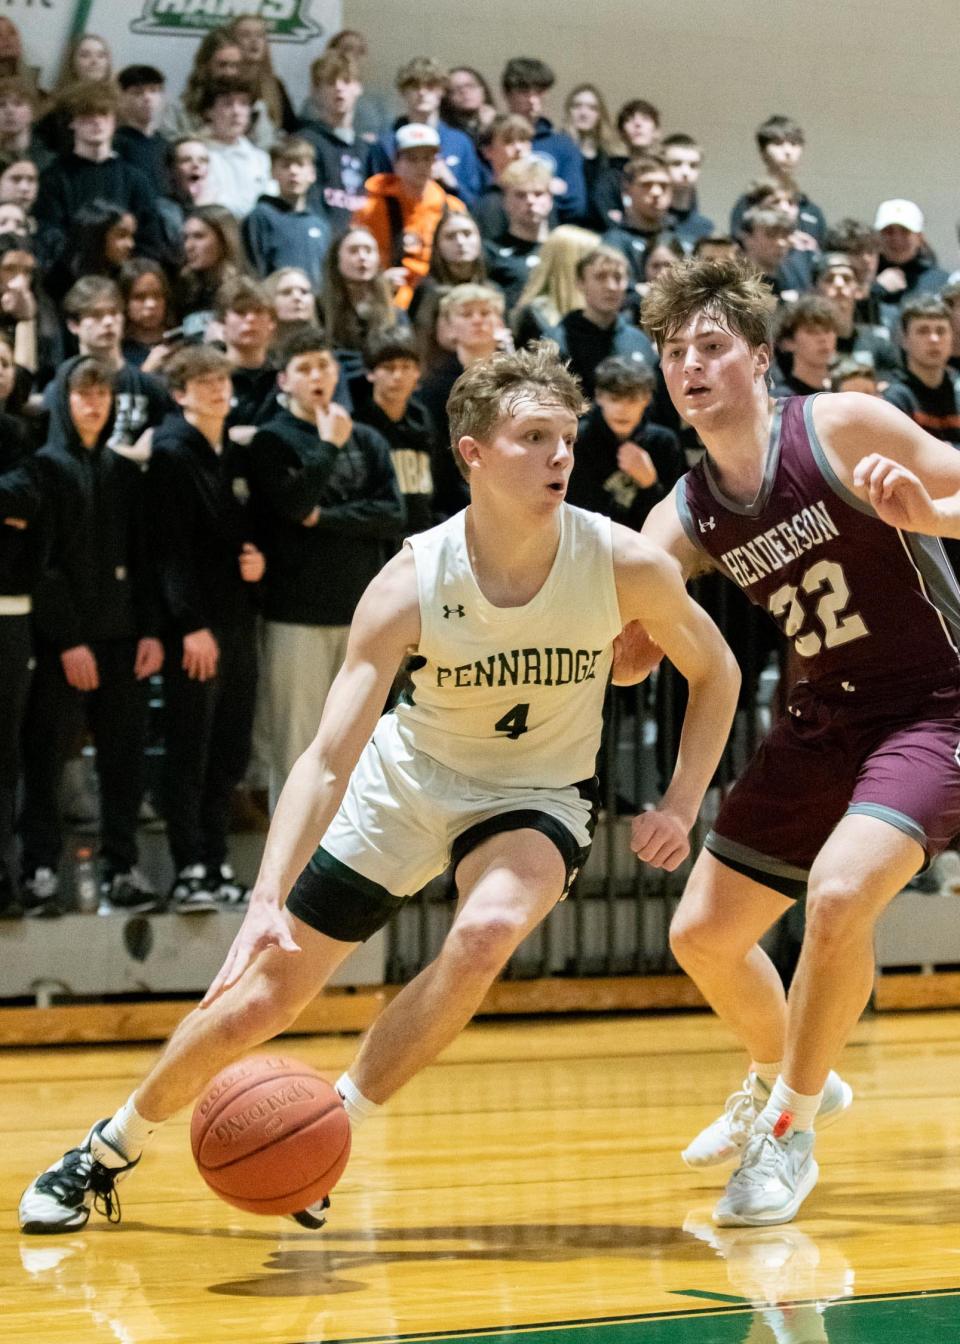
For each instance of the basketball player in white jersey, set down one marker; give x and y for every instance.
(512, 607)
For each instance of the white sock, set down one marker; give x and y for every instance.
(783, 1100)
(767, 1073)
(357, 1106)
(128, 1131)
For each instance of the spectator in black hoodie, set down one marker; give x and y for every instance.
(284, 230)
(208, 565)
(18, 112)
(806, 347)
(94, 311)
(507, 139)
(684, 156)
(139, 113)
(249, 327)
(328, 507)
(93, 171)
(102, 237)
(471, 317)
(96, 625)
(780, 143)
(765, 239)
(591, 334)
(648, 195)
(19, 563)
(623, 465)
(396, 413)
(527, 202)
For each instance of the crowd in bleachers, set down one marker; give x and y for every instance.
(230, 319)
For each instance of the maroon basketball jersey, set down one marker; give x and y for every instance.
(862, 602)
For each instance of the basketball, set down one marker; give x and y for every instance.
(270, 1135)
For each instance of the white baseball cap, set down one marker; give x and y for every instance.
(416, 136)
(904, 213)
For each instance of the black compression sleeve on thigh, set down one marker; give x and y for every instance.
(343, 904)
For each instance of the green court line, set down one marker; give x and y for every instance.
(879, 1318)
(710, 1297)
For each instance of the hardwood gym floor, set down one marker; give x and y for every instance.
(528, 1184)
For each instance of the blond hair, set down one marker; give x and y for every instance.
(461, 295)
(552, 285)
(525, 172)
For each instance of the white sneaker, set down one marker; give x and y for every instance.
(724, 1139)
(772, 1181)
(60, 1199)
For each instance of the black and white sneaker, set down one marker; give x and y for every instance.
(194, 891)
(312, 1217)
(41, 894)
(228, 890)
(130, 892)
(60, 1199)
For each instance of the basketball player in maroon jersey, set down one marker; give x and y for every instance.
(826, 510)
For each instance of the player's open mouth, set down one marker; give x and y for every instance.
(697, 390)
(558, 486)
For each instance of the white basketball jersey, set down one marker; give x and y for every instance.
(513, 695)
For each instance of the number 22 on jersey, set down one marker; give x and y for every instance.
(826, 585)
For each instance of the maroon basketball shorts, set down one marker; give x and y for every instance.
(892, 756)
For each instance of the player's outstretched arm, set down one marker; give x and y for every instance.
(635, 655)
(910, 479)
(386, 623)
(651, 589)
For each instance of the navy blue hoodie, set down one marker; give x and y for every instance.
(277, 235)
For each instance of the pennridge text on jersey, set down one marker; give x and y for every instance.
(524, 667)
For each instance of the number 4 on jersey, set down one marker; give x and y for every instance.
(514, 722)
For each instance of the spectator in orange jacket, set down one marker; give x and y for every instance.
(403, 209)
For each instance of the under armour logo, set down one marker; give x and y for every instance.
(709, 525)
(452, 611)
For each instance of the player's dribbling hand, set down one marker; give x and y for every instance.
(264, 926)
(634, 655)
(897, 496)
(660, 839)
